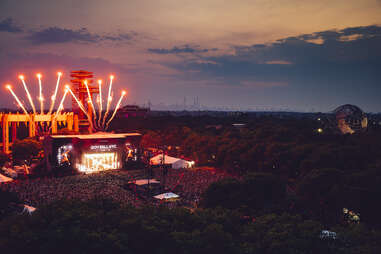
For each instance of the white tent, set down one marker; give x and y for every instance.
(4, 179)
(166, 196)
(145, 181)
(29, 209)
(10, 172)
(176, 163)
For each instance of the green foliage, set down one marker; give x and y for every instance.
(25, 149)
(100, 226)
(320, 183)
(256, 191)
(6, 200)
(287, 147)
(3, 158)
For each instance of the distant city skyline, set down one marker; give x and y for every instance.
(299, 55)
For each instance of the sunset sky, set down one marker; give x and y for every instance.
(298, 55)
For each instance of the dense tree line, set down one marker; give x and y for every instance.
(323, 172)
(288, 147)
(101, 226)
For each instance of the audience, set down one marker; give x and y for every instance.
(188, 183)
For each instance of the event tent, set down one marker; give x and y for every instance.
(144, 181)
(29, 209)
(176, 163)
(4, 179)
(167, 196)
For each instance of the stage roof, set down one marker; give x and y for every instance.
(145, 181)
(167, 195)
(98, 135)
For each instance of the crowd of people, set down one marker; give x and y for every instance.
(188, 183)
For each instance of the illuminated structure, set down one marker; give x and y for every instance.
(10, 123)
(87, 153)
(83, 105)
(39, 123)
(81, 92)
(350, 119)
(92, 152)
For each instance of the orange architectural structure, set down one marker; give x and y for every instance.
(79, 89)
(10, 121)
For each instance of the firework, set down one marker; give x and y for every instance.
(21, 77)
(60, 107)
(100, 102)
(9, 87)
(55, 92)
(41, 99)
(93, 121)
(109, 98)
(116, 108)
(91, 101)
(81, 107)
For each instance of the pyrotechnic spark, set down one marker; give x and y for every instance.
(21, 77)
(9, 87)
(100, 102)
(81, 107)
(91, 101)
(109, 98)
(55, 92)
(116, 108)
(41, 99)
(60, 107)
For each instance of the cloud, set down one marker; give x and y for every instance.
(63, 35)
(351, 55)
(179, 50)
(7, 25)
(121, 36)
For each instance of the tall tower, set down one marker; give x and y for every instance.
(79, 89)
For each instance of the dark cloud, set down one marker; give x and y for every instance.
(121, 36)
(339, 55)
(179, 50)
(63, 35)
(7, 25)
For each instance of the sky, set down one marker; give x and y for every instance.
(294, 55)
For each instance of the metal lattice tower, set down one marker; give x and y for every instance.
(79, 89)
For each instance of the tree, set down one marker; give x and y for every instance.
(25, 149)
(256, 191)
(3, 158)
(6, 200)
